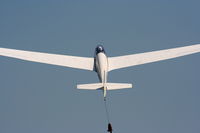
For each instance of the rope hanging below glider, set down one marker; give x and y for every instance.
(107, 113)
(107, 116)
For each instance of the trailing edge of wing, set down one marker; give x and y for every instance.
(54, 59)
(148, 57)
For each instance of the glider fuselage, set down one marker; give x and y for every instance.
(101, 65)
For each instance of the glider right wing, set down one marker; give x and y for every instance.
(54, 59)
(148, 57)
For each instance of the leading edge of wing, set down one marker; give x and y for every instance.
(148, 57)
(53, 59)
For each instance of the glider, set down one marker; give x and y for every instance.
(100, 63)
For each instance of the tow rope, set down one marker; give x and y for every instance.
(106, 109)
(107, 117)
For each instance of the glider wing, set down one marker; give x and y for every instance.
(54, 59)
(148, 57)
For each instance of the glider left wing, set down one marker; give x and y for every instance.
(53, 59)
(148, 57)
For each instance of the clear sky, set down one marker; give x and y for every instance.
(40, 98)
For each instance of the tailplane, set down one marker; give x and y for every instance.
(94, 86)
(108, 86)
(116, 86)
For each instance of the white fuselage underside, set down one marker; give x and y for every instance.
(102, 67)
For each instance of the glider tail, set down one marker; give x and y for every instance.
(94, 86)
(104, 87)
(116, 86)
(101, 86)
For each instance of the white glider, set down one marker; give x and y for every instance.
(101, 63)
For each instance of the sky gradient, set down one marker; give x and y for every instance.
(41, 98)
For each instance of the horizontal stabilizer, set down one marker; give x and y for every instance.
(116, 86)
(94, 86)
(109, 86)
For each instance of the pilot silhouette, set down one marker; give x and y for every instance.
(110, 128)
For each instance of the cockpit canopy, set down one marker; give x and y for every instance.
(99, 49)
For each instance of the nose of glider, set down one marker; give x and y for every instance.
(99, 49)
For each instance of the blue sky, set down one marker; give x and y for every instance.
(42, 98)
